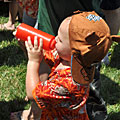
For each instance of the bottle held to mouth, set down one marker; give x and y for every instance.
(24, 30)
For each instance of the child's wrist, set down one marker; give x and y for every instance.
(34, 60)
(33, 63)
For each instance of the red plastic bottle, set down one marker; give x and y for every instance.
(23, 31)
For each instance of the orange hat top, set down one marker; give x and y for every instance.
(90, 41)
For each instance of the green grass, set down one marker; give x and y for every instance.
(110, 76)
(13, 70)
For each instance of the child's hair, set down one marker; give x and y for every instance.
(90, 41)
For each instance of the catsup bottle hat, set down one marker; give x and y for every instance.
(90, 41)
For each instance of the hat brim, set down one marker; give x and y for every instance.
(81, 74)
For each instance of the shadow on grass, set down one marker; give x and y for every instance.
(114, 116)
(11, 55)
(4, 9)
(115, 59)
(12, 106)
(6, 35)
(110, 90)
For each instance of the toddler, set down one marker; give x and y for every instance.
(83, 40)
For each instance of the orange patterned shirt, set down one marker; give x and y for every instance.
(30, 6)
(60, 97)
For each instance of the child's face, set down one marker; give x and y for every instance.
(62, 40)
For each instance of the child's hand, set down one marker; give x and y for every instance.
(35, 52)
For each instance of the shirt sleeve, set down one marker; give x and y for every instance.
(51, 57)
(110, 4)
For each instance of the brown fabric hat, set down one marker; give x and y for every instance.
(90, 41)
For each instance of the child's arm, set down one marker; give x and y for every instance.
(35, 56)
